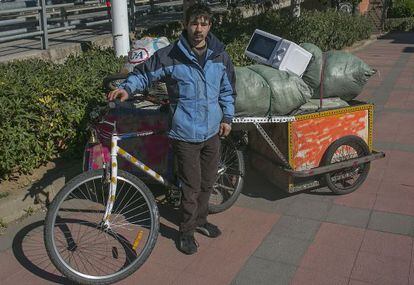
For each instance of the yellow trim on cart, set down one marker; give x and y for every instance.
(290, 146)
(290, 155)
(333, 112)
(370, 126)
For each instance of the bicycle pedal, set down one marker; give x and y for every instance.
(174, 197)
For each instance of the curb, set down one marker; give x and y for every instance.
(61, 52)
(361, 44)
(33, 197)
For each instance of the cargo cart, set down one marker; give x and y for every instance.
(330, 148)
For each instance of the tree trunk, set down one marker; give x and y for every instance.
(295, 8)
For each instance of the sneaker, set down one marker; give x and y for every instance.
(187, 243)
(209, 230)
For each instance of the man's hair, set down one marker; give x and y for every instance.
(196, 11)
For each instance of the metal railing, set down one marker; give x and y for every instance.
(42, 19)
(18, 21)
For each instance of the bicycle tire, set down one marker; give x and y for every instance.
(232, 161)
(338, 181)
(58, 225)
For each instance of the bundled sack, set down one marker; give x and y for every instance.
(253, 93)
(142, 50)
(265, 91)
(314, 105)
(344, 74)
(312, 74)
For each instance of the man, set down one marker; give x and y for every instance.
(200, 81)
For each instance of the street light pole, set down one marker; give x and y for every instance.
(120, 29)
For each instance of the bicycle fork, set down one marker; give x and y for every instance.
(112, 181)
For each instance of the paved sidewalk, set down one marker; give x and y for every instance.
(270, 237)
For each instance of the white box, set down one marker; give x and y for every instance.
(279, 53)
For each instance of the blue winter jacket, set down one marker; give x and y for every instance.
(200, 98)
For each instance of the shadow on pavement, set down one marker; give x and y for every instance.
(400, 38)
(29, 250)
(64, 168)
(170, 214)
(257, 186)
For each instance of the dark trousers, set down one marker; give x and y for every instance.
(197, 171)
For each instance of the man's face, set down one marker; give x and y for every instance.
(197, 30)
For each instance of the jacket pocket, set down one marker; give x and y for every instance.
(182, 125)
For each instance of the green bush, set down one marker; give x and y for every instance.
(328, 30)
(399, 24)
(43, 107)
(401, 9)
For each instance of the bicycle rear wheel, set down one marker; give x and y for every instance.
(230, 178)
(82, 247)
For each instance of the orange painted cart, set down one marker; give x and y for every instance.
(329, 148)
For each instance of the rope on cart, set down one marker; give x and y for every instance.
(321, 84)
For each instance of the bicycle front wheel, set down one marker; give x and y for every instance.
(82, 246)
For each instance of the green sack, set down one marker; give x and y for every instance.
(288, 91)
(344, 75)
(312, 74)
(314, 105)
(253, 94)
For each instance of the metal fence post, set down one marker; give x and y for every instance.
(132, 10)
(43, 24)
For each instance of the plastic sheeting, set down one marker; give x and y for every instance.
(312, 74)
(263, 90)
(344, 74)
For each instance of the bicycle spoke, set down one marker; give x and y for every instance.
(116, 211)
(93, 250)
(225, 187)
(129, 211)
(137, 221)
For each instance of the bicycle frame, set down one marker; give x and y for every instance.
(115, 150)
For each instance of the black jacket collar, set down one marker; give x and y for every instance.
(213, 43)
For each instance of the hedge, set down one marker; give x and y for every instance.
(328, 30)
(399, 24)
(44, 106)
(401, 9)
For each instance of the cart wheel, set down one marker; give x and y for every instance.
(346, 180)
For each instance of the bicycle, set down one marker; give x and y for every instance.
(103, 224)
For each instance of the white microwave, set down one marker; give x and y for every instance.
(279, 53)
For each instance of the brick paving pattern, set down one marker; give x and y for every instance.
(270, 237)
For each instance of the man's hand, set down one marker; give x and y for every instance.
(224, 129)
(118, 93)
